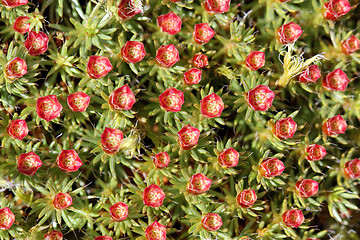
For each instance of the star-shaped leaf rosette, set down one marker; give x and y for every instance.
(206, 221)
(118, 215)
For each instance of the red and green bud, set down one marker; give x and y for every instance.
(105, 237)
(62, 201)
(334, 126)
(203, 33)
(171, 100)
(69, 161)
(289, 33)
(198, 184)
(246, 198)
(155, 231)
(337, 80)
(192, 76)
(78, 101)
(129, 8)
(200, 60)
(312, 239)
(188, 137)
(122, 98)
(306, 188)
(53, 235)
(18, 129)
(334, 9)
(255, 60)
(15, 68)
(315, 152)
(7, 218)
(119, 211)
(217, 6)
(284, 128)
(350, 45)
(36, 43)
(271, 167)
(310, 74)
(167, 55)
(28, 163)
(169, 23)
(211, 106)
(98, 66)
(161, 160)
(111, 140)
(21, 25)
(48, 107)
(228, 158)
(260, 98)
(293, 218)
(153, 196)
(211, 222)
(133, 52)
(352, 169)
(14, 3)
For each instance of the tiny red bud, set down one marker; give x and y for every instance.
(69, 161)
(352, 169)
(169, 23)
(155, 231)
(255, 60)
(171, 100)
(312, 239)
(306, 188)
(211, 221)
(289, 33)
(62, 201)
(54, 235)
(36, 43)
(122, 98)
(260, 98)
(133, 52)
(14, 3)
(153, 196)
(315, 152)
(192, 76)
(167, 55)
(48, 107)
(310, 74)
(78, 101)
(188, 137)
(161, 160)
(246, 198)
(228, 158)
(334, 9)
(98, 66)
(15, 68)
(18, 129)
(336, 81)
(7, 218)
(129, 8)
(111, 140)
(21, 25)
(211, 106)
(334, 126)
(217, 6)
(285, 128)
(271, 167)
(350, 45)
(293, 218)
(103, 238)
(28, 163)
(119, 211)
(203, 33)
(200, 60)
(198, 184)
